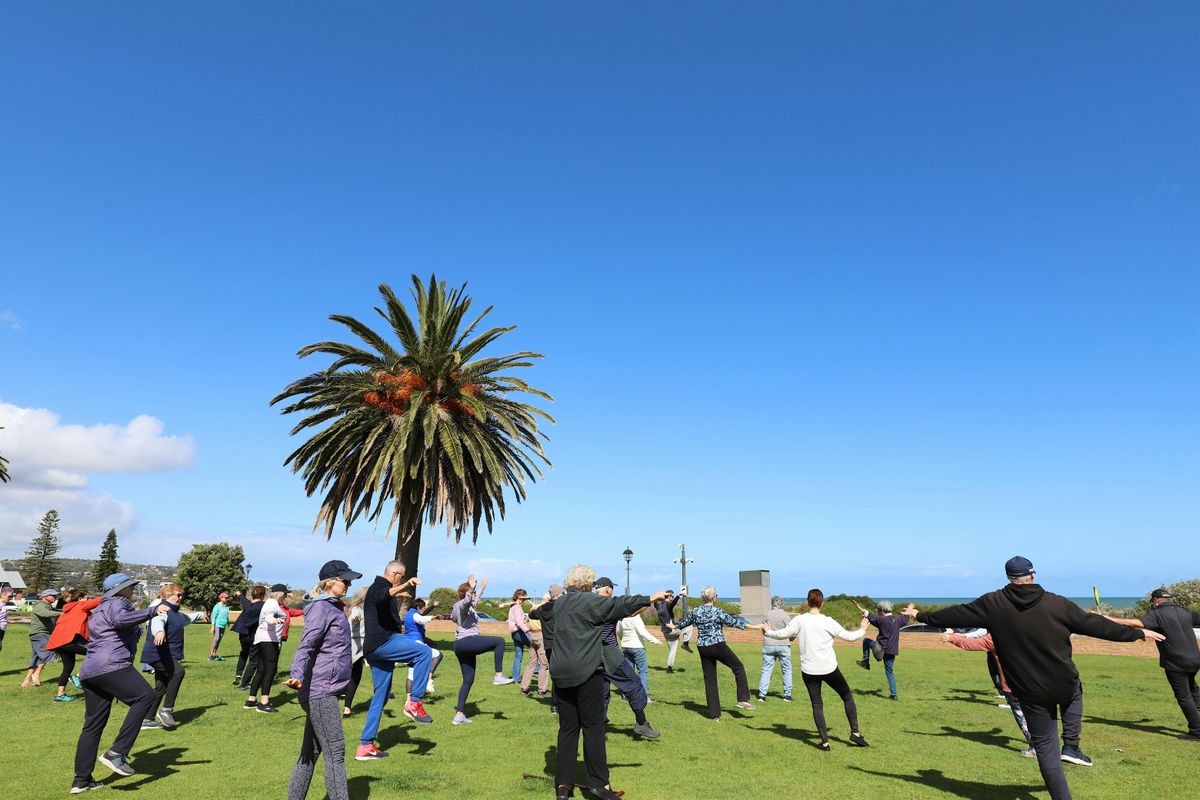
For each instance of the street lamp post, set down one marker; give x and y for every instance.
(248, 568)
(683, 561)
(628, 558)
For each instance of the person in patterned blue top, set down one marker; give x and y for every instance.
(709, 622)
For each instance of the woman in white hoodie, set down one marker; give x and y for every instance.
(815, 633)
(267, 643)
(632, 636)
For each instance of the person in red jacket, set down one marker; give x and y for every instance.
(69, 638)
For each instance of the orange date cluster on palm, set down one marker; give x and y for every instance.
(396, 400)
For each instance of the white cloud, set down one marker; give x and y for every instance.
(9, 319)
(51, 463)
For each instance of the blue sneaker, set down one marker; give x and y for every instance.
(78, 684)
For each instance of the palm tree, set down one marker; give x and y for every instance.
(3, 468)
(430, 426)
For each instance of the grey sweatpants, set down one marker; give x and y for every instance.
(322, 734)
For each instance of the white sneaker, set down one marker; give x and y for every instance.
(501, 680)
(460, 720)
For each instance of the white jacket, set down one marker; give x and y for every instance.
(270, 627)
(631, 633)
(815, 634)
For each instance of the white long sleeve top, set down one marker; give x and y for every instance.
(270, 622)
(632, 633)
(815, 634)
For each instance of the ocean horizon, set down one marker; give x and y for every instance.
(900, 602)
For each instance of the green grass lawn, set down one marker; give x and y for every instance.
(945, 738)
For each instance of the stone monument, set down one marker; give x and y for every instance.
(755, 594)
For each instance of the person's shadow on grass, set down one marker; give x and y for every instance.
(472, 711)
(971, 790)
(185, 715)
(395, 735)
(799, 734)
(979, 696)
(995, 737)
(360, 785)
(1135, 725)
(155, 763)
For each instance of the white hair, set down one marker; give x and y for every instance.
(581, 577)
(708, 594)
(776, 602)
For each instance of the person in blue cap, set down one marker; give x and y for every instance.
(1032, 631)
(108, 674)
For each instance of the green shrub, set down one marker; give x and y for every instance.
(1186, 594)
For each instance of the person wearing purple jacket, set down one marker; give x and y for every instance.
(108, 673)
(886, 646)
(320, 672)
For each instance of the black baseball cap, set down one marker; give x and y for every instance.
(604, 582)
(1018, 567)
(278, 587)
(338, 569)
(1162, 593)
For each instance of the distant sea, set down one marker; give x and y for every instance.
(1083, 602)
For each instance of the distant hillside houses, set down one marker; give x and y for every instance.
(13, 579)
(77, 572)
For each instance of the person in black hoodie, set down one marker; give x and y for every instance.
(1178, 654)
(1032, 631)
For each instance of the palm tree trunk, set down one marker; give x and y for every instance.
(409, 551)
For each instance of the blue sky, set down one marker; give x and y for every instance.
(870, 296)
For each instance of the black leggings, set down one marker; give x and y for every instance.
(466, 650)
(356, 670)
(710, 654)
(839, 685)
(268, 664)
(67, 653)
(167, 677)
(247, 657)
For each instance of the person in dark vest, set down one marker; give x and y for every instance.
(163, 650)
(108, 674)
(1178, 654)
(622, 675)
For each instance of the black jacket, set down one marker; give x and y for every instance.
(247, 621)
(578, 617)
(1180, 651)
(1032, 630)
(381, 618)
(545, 615)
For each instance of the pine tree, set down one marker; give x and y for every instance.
(107, 564)
(40, 567)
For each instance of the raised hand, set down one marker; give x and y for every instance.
(910, 611)
(1153, 635)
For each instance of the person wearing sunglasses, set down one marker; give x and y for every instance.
(320, 672)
